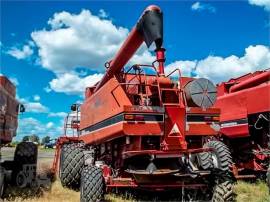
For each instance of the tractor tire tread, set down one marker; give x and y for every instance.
(71, 165)
(223, 153)
(25, 153)
(223, 192)
(92, 184)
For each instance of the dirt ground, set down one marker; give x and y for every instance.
(54, 192)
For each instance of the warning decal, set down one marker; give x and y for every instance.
(175, 131)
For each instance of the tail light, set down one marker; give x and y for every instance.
(134, 117)
(211, 118)
(129, 117)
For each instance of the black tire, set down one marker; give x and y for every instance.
(223, 192)
(2, 181)
(219, 158)
(92, 184)
(71, 165)
(25, 155)
(205, 160)
(21, 180)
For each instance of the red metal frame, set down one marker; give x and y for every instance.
(239, 99)
(157, 99)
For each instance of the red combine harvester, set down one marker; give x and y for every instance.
(245, 115)
(26, 152)
(145, 131)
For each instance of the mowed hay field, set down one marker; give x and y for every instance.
(245, 192)
(256, 192)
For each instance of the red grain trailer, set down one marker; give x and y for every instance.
(26, 152)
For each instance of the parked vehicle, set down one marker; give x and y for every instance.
(26, 152)
(146, 131)
(245, 115)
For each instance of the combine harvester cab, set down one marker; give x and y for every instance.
(245, 115)
(144, 131)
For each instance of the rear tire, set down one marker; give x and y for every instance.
(71, 165)
(92, 184)
(25, 155)
(223, 192)
(220, 156)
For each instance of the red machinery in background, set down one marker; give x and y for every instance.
(147, 131)
(9, 109)
(26, 152)
(245, 115)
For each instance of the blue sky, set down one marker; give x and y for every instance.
(53, 50)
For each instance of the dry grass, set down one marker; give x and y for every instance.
(252, 192)
(56, 193)
(256, 192)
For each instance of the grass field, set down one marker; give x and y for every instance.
(257, 192)
(245, 192)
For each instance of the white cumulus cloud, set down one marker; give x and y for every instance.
(220, 69)
(80, 41)
(57, 114)
(36, 98)
(14, 80)
(34, 107)
(263, 3)
(72, 83)
(49, 125)
(18, 53)
(198, 6)
(31, 126)
(102, 13)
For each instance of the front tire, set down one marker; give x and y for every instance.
(71, 165)
(92, 184)
(220, 156)
(223, 192)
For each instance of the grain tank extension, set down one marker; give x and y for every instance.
(146, 131)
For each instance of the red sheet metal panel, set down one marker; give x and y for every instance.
(8, 86)
(105, 103)
(8, 110)
(258, 98)
(235, 131)
(232, 106)
(251, 95)
(175, 123)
